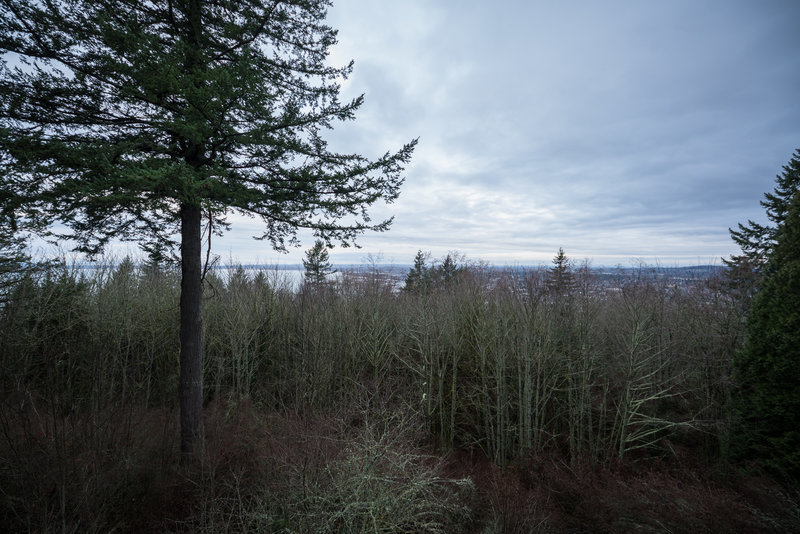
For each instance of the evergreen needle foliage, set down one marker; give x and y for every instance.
(422, 278)
(560, 277)
(767, 401)
(14, 261)
(757, 240)
(137, 120)
(317, 264)
(419, 276)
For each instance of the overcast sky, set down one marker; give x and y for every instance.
(618, 130)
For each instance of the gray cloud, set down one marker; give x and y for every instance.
(614, 129)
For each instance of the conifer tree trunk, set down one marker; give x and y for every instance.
(191, 357)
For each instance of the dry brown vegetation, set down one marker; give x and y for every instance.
(488, 405)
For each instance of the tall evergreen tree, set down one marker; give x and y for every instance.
(419, 276)
(560, 277)
(15, 258)
(15, 261)
(756, 240)
(317, 264)
(448, 271)
(140, 119)
(766, 402)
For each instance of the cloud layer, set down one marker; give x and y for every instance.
(616, 130)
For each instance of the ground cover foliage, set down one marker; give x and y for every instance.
(490, 403)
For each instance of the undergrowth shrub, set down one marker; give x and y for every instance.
(353, 472)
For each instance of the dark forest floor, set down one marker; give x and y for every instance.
(353, 472)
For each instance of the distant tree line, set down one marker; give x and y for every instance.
(426, 275)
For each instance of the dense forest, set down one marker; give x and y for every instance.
(530, 400)
(159, 395)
